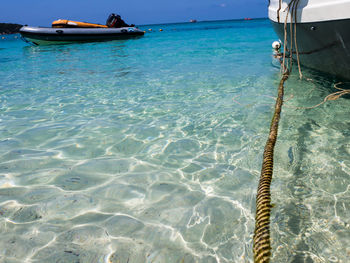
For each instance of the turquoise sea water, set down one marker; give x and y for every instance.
(150, 150)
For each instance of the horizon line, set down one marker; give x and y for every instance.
(201, 21)
(182, 22)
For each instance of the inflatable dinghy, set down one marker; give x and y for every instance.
(56, 35)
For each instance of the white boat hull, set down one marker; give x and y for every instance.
(322, 33)
(309, 11)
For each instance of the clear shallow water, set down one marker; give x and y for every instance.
(150, 150)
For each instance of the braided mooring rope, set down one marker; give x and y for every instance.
(262, 246)
(261, 241)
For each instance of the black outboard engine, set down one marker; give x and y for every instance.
(111, 20)
(116, 21)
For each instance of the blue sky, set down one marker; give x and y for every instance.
(43, 12)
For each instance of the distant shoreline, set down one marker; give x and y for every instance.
(9, 28)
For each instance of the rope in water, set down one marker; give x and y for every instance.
(261, 241)
(262, 246)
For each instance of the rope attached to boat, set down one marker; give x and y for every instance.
(261, 241)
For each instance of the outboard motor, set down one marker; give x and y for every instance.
(111, 20)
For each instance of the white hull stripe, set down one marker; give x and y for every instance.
(311, 10)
